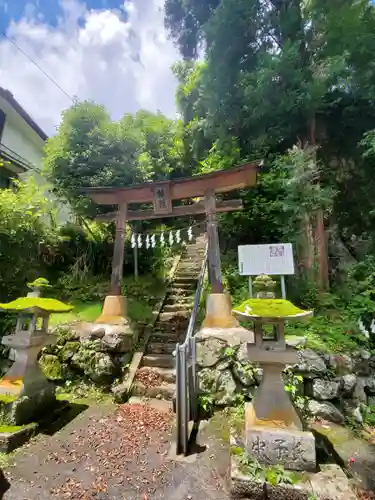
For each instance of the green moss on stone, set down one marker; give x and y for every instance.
(7, 398)
(269, 308)
(51, 367)
(69, 350)
(11, 428)
(36, 303)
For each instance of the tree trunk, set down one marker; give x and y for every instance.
(320, 236)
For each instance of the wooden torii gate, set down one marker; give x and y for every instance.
(161, 194)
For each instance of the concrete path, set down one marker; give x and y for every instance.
(121, 453)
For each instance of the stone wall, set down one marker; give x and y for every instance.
(336, 386)
(95, 353)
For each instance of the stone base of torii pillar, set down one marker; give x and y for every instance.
(114, 310)
(219, 312)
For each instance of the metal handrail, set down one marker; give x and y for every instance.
(186, 372)
(197, 298)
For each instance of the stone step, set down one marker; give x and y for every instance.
(166, 374)
(190, 264)
(169, 326)
(163, 391)
(168, 337)
(185, 279)
(160, 348)
(186, 275)
(177, 308)
(159, 360)
(177, 317)
(184, 300)
(187, 288)
(183, 290)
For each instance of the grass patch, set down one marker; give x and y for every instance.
(81, 393)
(82, 311)
(325, 334)
(271, 474)
(143, 295)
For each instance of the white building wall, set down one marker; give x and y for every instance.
(17, 140)
(14, 139)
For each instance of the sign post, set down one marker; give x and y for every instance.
(273, 260)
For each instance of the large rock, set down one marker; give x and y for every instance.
(258, 375)
(325, 410)
(244, 374)
(68, 351)
(51, 367)
(210, 351)
(226, 389)
(118, 341)
(325, 389)
(26, 409)
(96, 365)
(362, 363)
(310, 364)
(340, 363)
(359, 394)
(112, 338)
(348, 383)
(242, 355)
(207, 379)
(353, 410)
(296, 341)
(370, 385)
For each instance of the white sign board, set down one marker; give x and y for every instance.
(273, 259)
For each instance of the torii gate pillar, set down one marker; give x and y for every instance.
(114, 307)
(219, 305)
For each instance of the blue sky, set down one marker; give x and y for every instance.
(49, 9)
(115, 52)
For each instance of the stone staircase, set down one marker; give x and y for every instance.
(156, 377)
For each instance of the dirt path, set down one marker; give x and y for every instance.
(118, 453)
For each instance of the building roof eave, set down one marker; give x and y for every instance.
(8, 97)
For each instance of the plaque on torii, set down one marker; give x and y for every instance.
(161, 195)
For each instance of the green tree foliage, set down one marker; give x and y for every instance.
(90, 150)
(26, 237)
(275, 74)
(160, 144)
(185, 19)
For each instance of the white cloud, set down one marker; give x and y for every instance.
(92, 54)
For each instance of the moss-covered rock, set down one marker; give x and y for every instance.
(26, 409)
(226, 389)
(98, 366)
(244, 374)
(210, 351)
(68, 351)
(51, 367)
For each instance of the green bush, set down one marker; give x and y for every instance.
(27, 238)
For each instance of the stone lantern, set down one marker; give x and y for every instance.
(24, 390)
(274, 431)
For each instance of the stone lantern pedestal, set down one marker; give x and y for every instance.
(274, 432)
(24, 390)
